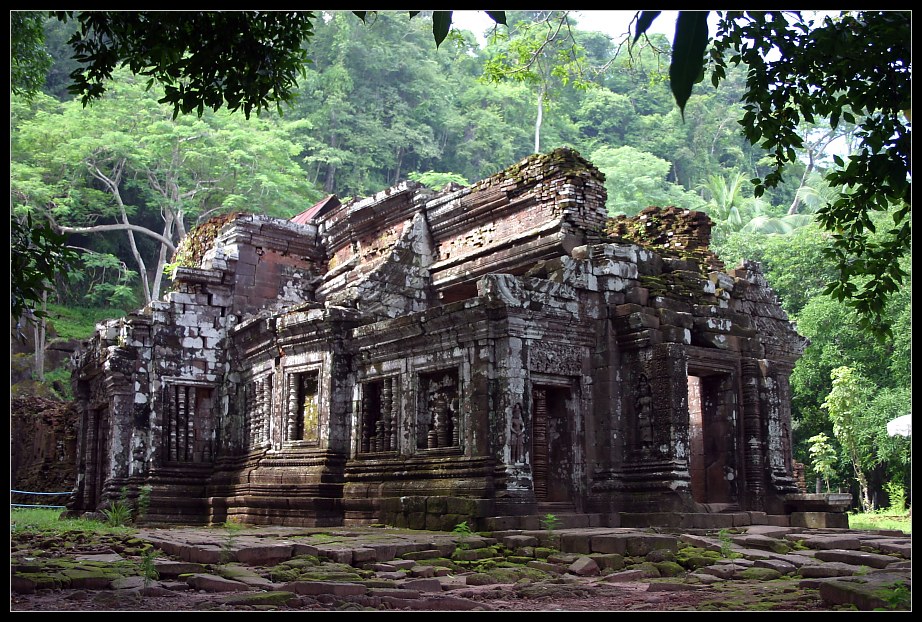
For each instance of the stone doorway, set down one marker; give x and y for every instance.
(552, 446)
(711, 435)
(100, 451)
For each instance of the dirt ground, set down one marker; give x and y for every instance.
(581, 596)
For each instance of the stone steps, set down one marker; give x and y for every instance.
(726, 519)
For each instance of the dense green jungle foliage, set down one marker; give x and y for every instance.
(380, 103)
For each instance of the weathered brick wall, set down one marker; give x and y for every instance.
(670, 231)
(358, 235)
(43, 456)
(559, 189)
(269, 263)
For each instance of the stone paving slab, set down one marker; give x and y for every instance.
(833, 555)
(856, 558)
(214, 583)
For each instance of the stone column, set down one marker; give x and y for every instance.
(752, 435)
(388, 434)
(291, 425)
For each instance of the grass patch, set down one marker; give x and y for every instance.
(79, 322)
(881, 520)
(49, 521)
(61, 376)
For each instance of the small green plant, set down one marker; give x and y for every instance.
(463, 530)
(232, 525)
(118, 514)
(897, 496)
(170, 268)
(823, 455)
(148, 568)
(550, 522)
(144, 500)
(898, 595)
(725, 543)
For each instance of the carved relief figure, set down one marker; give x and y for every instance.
(643, 406)
(517, 437)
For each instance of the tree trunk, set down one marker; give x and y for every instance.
(795, 205)
(40, 334)
(539, 120)
(864, 490)
(330, 177)
(161, 258)
(112, 184)
(331, 168)
(399, 165)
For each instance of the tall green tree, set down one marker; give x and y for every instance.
(125, 165)
(821, 72)
(845, 405)
(636, 179)
(29, 61)
(539, 50)
(856, 67)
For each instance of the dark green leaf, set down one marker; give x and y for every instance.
(441, 24)
(360, 14)
(643, 22)
(497, 16)
(689, 44)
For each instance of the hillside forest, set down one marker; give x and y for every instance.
(125, 181)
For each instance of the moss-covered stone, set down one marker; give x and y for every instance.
(692, 557)
(301, 561)
(780, 547)
(284, 575)
(482, 578)
(759, 574)
(648, 569)
(506, 574)
(669, 569)
(474, 554)
(442, 562)
(660, 555)
(543, 552)
(47, 581)
(331, 575)
(233, 571)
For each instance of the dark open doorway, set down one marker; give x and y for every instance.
(552, 443)
(712, 434)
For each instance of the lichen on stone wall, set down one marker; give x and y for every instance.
(191, 249)
(671, 232)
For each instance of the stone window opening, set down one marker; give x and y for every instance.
(379, 416)
(187, 434)
(437, 419)
(303, 413)
(257, 409)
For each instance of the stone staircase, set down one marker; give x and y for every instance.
(727, 517)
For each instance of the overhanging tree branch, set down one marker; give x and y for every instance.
(118, 227)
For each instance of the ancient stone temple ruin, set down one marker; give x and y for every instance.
(486, 354)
